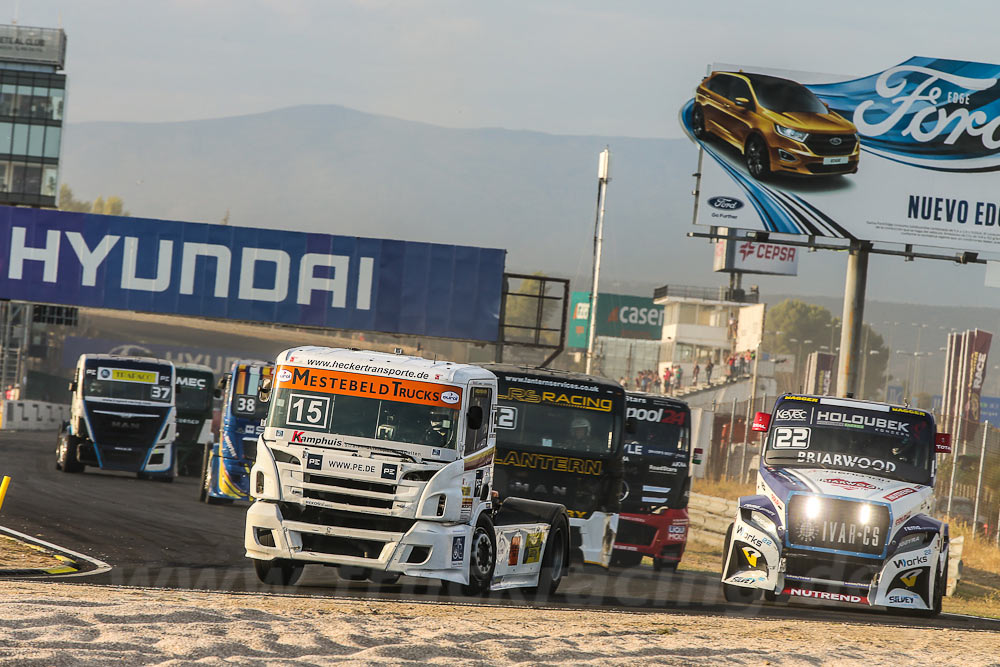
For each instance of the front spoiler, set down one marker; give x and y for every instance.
(755, 559)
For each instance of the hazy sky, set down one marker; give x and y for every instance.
(584, 67)
(566, 67)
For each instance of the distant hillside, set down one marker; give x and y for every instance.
(335, 170)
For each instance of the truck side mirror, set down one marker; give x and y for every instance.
(761, 422)
(942, 443)
(474, 417)
(264, 391)
(72, 386)
(630, 424)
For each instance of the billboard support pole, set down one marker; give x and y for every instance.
(853, 316)
(603, 176)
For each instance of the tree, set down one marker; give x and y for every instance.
(113, 205)
(799, 328)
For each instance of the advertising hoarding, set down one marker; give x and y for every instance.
(618, 315)
(25, 44)
(965, 375)
(750, 327)
(819, 373)
(904, 155)
(741, 256)
(242, 273)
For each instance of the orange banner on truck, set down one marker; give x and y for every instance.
(369, 386)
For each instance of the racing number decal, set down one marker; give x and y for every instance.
(310, 411)
(159, 393)
(506, 417)
(246, 404)
(791, 438)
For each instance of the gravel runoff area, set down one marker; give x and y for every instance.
(47, 623)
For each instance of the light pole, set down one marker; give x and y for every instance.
(603, 177)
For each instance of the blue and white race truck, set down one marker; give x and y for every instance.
(842, 512)
(123, 417)
(225, 467)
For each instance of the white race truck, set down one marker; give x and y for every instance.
(842, 512)
(382, 465)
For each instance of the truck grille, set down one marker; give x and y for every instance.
(356, 484)
(342, 546)
(118, 458)
(633, 532)
(346, 499)
(827, 144)
(838, 525)
(351, 520)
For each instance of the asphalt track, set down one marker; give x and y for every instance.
(155, 534)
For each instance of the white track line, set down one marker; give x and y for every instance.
(101, 566)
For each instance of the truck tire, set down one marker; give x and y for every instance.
(730, 592)
(277, 572)
(203, 487)
(660, 564)
(940, 586)
(67, 460)
(554, 560)
(482, 557)
(206, 481)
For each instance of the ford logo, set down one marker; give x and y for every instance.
(725, 203)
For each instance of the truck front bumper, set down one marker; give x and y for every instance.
(660, 535)
(425, 549)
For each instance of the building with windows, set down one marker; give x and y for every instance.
(699, 325)
(32, 107)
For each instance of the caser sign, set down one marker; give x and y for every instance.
(217, 271)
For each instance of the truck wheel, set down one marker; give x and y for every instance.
(626, 558)
(554, 561)
(771, 596)
(352, 573)
(203, 491)
(730, 592)
(660, 564)
(940, 586)
(482, 557)
(277, 572)
(67, 460)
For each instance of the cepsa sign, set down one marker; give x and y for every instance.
(740, 256)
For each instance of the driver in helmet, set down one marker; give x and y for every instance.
(439, 430)
(579, 430)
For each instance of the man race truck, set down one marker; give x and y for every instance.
(658, 465)
(383, 464)
(559, 438)
(843, 508)
(194, 415)
(225, 464)
(122, 417)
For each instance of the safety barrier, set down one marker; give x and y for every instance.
(710, 518)
(32, 415)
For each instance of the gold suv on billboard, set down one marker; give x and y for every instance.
(778, 124)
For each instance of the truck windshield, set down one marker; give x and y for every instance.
(893, 443)
(246, 381)
(196, 392)
(135, 384)
(362, 417)
(547, 427)
(668, 434)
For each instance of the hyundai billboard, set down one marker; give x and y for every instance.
(241, 273)
(905, 155)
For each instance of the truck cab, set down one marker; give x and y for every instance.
(382, 464)
(226, 461)
(194, 415)
(123, 417)
(842, 510)
(559, 439)
(658, 468)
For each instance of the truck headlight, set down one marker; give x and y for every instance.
(791, 133)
